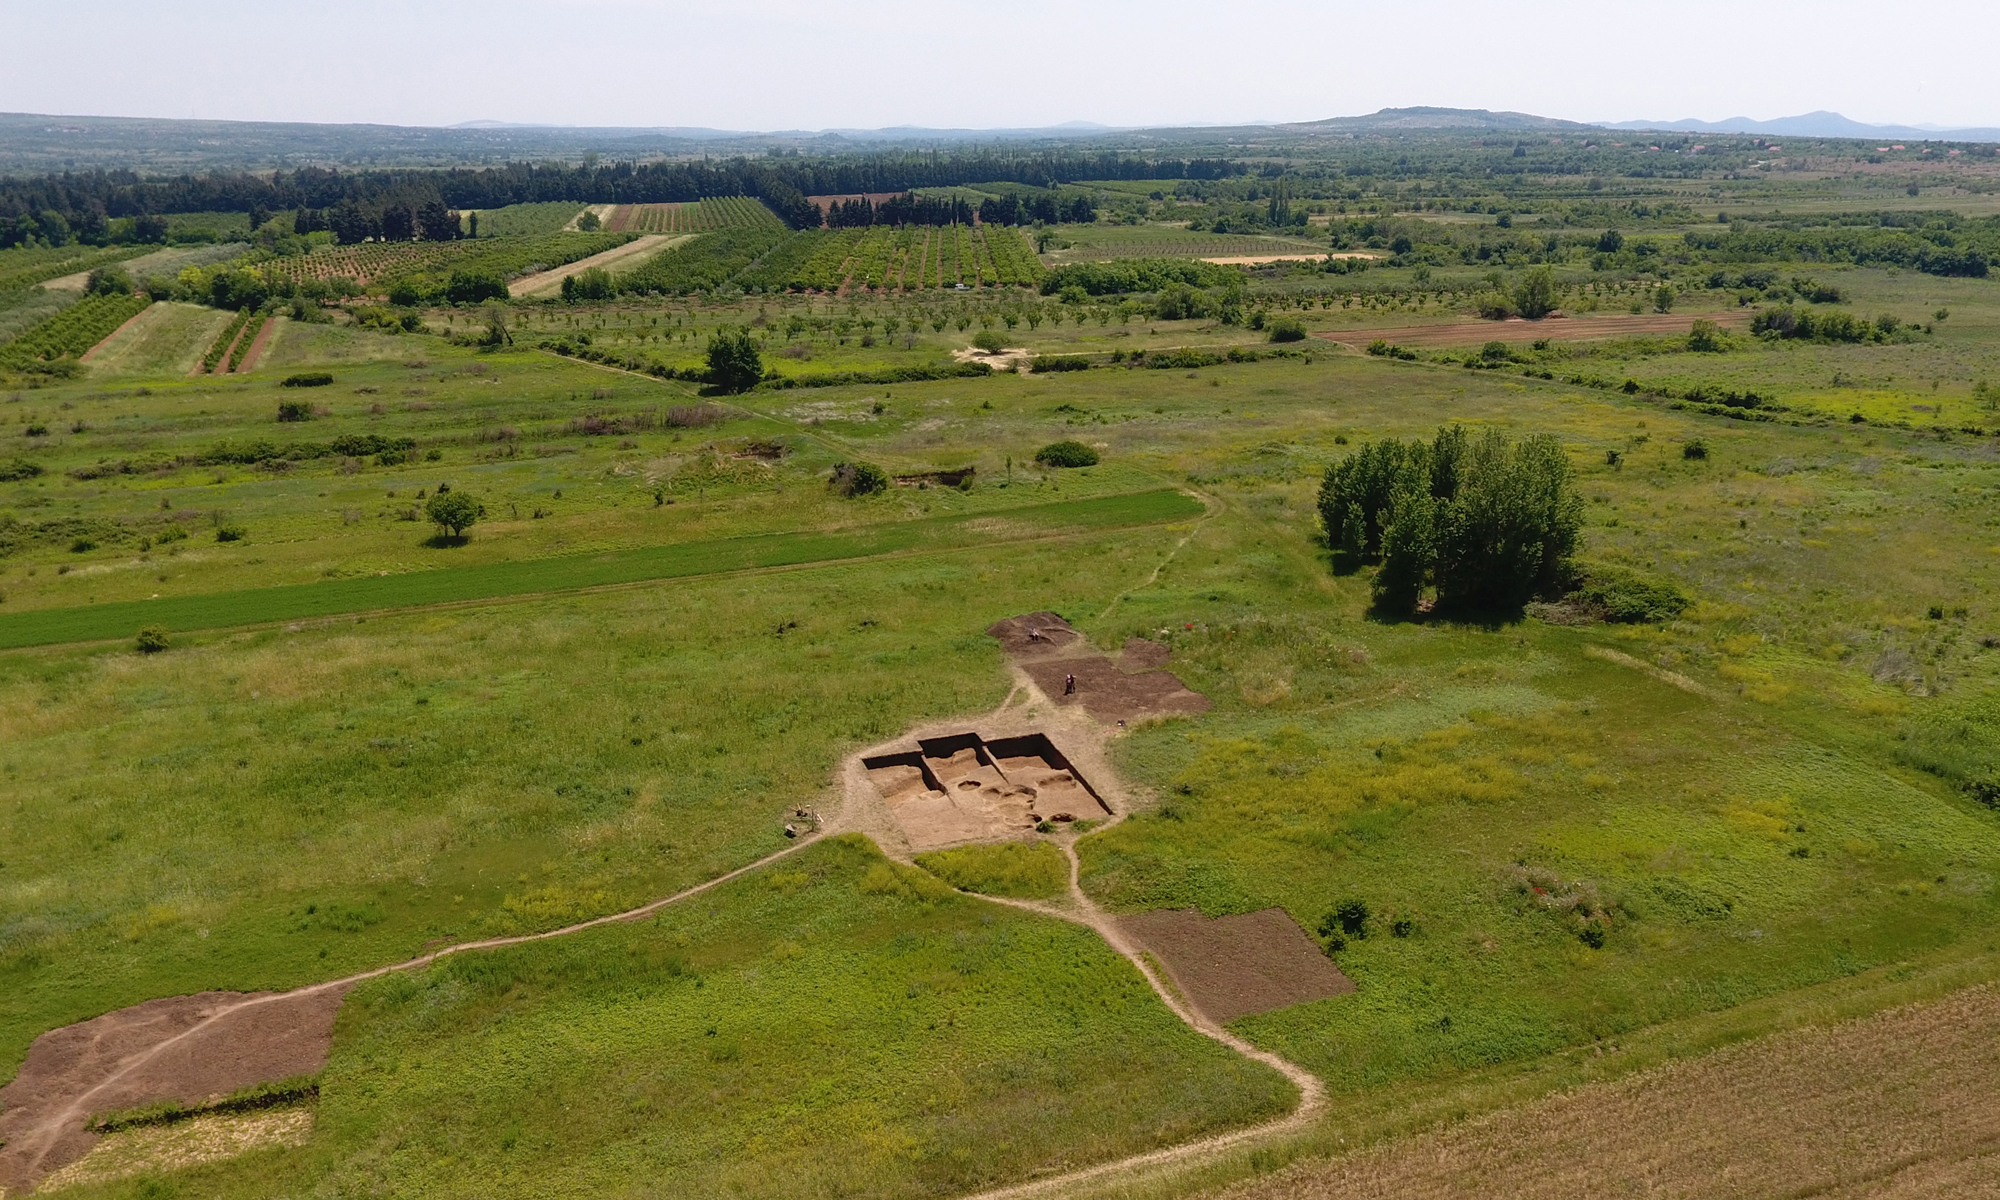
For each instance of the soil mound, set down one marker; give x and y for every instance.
(1238, 966)
(188, 1049)
(1035, 633)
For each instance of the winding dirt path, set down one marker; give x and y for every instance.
(40, 1140)
(52, 1140)
(1312, 1095)
(1558, 328)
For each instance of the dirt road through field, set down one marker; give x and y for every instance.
(547, 283)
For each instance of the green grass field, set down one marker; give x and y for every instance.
(667, 632)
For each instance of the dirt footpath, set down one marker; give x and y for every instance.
(1514, 329)
(187, 1049)
(547, 283)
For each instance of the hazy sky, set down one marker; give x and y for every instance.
(812, 64)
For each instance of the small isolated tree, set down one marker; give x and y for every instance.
(1664, 297)
(453, 512)
(734, 365)
(1706, 337)
(858, 479)
(151, 640)
(1066, 454)
(1536, 297)
(989, 341)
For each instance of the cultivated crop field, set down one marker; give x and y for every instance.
(572, 804)
(695, 217)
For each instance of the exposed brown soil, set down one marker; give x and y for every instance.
(1900, 1104)
(827, 202)
(1131, 689)
(130, 321)
(186, 1048)
(256, 350)
(1514, 329)
(1142, 654)
(1238, 966)
(222, 364)
(962, 788)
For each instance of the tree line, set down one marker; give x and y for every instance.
(906, 209)
(87, 201)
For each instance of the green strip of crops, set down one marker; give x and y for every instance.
(533, 576)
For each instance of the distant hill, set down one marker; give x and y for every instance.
(1445, 118)
(1821, 124)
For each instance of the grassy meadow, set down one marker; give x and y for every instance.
(1567, 835)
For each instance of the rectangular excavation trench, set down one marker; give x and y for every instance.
(963, 788)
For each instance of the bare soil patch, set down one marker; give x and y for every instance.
(1142, 654)
(256, 350)
(189, 1049)
(548, 281)
(962, 787)
(1899, 1104)
(1514, 329)
(1241, 965)
(1009, 359)
(1068, 672)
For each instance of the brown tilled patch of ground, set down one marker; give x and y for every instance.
(1898, 1105)
(1068, 671)
(1238, 966)
(188, 1049)
(1514, 329)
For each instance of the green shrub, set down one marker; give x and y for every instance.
(734, 365)
(309, 379)
(18, 469)
(1066, 454)
(1067, 362)
(1694, 448)
(990, 341)
(1621, 594)
(151, 640)
(294, 410)
(230, 533)
(1287, 329)
(858, 479)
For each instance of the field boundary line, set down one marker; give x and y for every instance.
(319, 619)
(106, 339)
(1214, 506)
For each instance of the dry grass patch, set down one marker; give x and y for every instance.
(1898, 1104)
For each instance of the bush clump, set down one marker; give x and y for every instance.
(1620, 594)
(1287, 329)
(307, 379)
(858, 479)
(989, 341)
(151, 640)
(1066, 454)
(294, 410)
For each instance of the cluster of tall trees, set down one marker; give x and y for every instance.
(1482, 524)
(397, 221)
(1048, 208)
(85, 201)
(906, 209)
